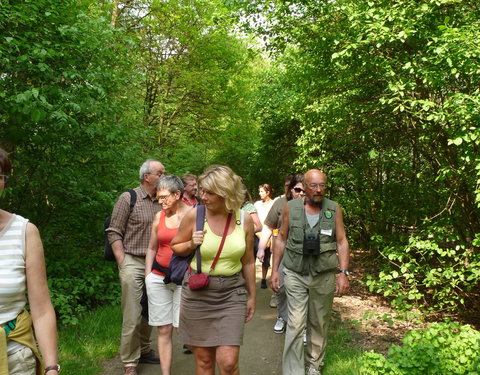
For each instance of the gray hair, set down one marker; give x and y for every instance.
(170, 182)
(145, 168)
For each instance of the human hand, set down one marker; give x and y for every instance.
(261, 255)
(250, 309)
(275, 281)
(342, 284)
(197, 238)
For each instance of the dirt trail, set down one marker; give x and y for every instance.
(262, 349)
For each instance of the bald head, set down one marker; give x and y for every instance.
(313, 173)
(315, 183)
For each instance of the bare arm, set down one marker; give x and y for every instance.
(257, 225)
(187, 239)
(343, 250)
(266, 235)
(152, 245)
(248, 268)
(43, 314)
(280, 242)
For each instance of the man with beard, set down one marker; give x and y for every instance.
(315, 252)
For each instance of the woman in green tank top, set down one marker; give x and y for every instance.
(212, 319)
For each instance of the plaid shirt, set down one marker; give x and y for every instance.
(134, 228)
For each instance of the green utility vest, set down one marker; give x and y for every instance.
(293, 257)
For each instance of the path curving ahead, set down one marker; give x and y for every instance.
(261, 353)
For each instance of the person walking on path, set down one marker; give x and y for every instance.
(22, 273)
(270, 232)
(129, 235)
(263, 207)
(164, 299)
(212, 319)
(314, 249)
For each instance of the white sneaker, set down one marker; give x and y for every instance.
(280, 325)
(273, 301)
(305, 337)
(313, 371)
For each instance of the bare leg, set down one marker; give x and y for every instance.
(204, 360)
(227, 360)
(165, 349)
(264, 272)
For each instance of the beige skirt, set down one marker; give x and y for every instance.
(214, 316)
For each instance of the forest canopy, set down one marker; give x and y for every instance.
(382, 95)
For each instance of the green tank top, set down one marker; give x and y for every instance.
(234, 247)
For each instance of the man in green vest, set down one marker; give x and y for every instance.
(314, 248)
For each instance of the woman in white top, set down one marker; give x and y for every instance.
(22, 269)
(263, 206)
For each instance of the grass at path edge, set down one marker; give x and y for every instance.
(96, 338)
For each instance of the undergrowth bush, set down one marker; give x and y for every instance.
(80, 280)
(433, 271)
(441, 349)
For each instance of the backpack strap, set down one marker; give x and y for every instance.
(133, 199)
(199, 225)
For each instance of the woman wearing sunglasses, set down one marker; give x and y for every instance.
(272, 224)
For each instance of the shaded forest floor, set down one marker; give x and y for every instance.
(370, 319)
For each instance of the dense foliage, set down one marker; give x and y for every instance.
(386, 95)
(444, 348)
(382, 95)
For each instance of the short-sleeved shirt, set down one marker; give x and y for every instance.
(262, 209)
(249, 207)
(274, 217)
(133, 228)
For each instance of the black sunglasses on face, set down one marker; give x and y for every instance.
(298, 190)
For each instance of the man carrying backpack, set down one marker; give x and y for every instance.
(128, 234)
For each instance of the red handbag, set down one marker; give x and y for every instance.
(200, 280)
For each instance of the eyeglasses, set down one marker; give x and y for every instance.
(3, 178)
(298, 190)
(163, 197)
(157, 174)
(317, 186)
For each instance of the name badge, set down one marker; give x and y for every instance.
(326, 232)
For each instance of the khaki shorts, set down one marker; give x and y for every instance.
(22, 362)
(163, 301)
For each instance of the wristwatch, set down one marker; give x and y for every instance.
(346, 272)
(53, 368)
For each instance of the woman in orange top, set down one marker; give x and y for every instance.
(164, 299)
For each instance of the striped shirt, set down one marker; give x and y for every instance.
(133, 228)
(12, 268)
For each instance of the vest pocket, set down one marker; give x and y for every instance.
(295, 239)
(327, 260)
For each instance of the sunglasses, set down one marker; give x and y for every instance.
(298, 190)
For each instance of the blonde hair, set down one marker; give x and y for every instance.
(222, 181)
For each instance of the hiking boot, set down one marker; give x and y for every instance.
(280, 325)
(130, 370)
(273, 301)
(263, 284)
(312, 371)
(149, 357)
